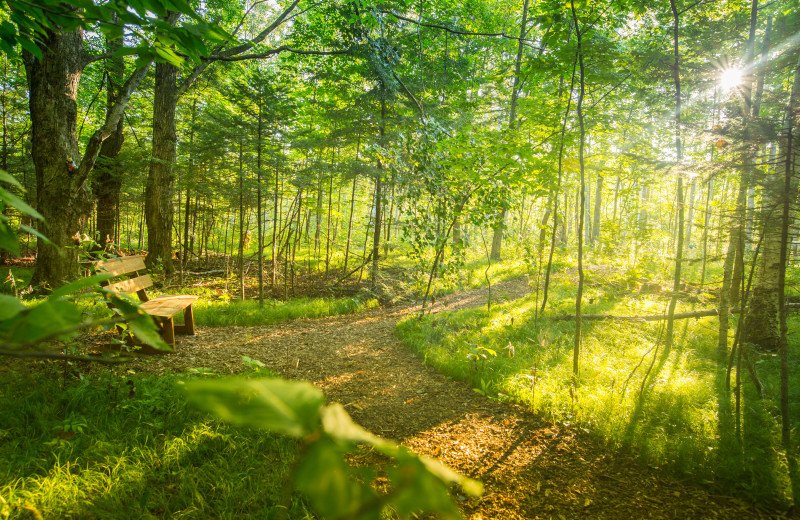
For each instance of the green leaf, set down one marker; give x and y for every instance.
(286, 407)
(30, 46)
(45, 320)
(140, 323)
(8, 239)
(145, 329)
(7, 177)
(168, 55)
(337, 423)
(9, 307)
(16, 202)
(327, 481)
(35, 232)
(80, 285)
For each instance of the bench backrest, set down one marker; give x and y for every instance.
(126, 265)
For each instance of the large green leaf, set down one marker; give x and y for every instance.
(141, 324)
(46, 320)
(327, 481)
(14, 201)
(8, 239)
(4, 175)
(9, 307)
(80, 285)
(285, 407)
(337, 423)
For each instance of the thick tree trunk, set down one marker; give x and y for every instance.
(161, 178)
(763, 324)
(62, 198)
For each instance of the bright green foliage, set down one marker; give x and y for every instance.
(121, 446)
(250, 313)
(327, 434)
(145, 21)
(679, 417)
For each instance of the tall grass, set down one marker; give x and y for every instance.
(671, 408)
(121, 446)
(212, 313)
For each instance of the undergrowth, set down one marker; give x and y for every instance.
(123, 446)
(216, 313)
(671, 408)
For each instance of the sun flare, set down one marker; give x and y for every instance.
(730, 78)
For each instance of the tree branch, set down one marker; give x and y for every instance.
(456, 31)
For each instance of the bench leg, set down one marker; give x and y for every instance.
(188, 321)
(168, 331)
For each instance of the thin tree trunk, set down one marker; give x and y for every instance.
(376, 240)
(598, 200)
(558, 188)
(107, 177)
(582, 197)
(241, 219)
(259, 210)
(497, 237)
(676, 281)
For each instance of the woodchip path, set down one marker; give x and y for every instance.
(531, 468)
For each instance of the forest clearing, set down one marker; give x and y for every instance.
(403, 259)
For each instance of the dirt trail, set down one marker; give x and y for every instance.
(531, 468)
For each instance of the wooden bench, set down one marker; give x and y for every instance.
(163, 309)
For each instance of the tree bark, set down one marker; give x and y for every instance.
(161, 178)
(376, 238)
(63, 196)
(107, 178)
(582, 197)
(676, 281)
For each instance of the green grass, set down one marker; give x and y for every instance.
(249, 313)
(91, 448)
(682, 420)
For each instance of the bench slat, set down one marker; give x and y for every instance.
(133, 285)
(167, 306)
(124, 265)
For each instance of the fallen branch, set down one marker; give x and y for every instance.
(652, 317)
(655, 317)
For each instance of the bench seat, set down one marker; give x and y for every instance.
(163, 309)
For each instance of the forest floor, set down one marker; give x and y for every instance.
(531, 468)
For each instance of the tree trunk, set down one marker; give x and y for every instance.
(160, 177)
(582, 197)
(376, 238)
(598, 200)
(668, 334)
(107, 178)
(242, 231)
(61, 198)
(497, 237)
(763, 323)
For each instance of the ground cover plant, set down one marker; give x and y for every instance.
(671, 408)
(118, 445)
